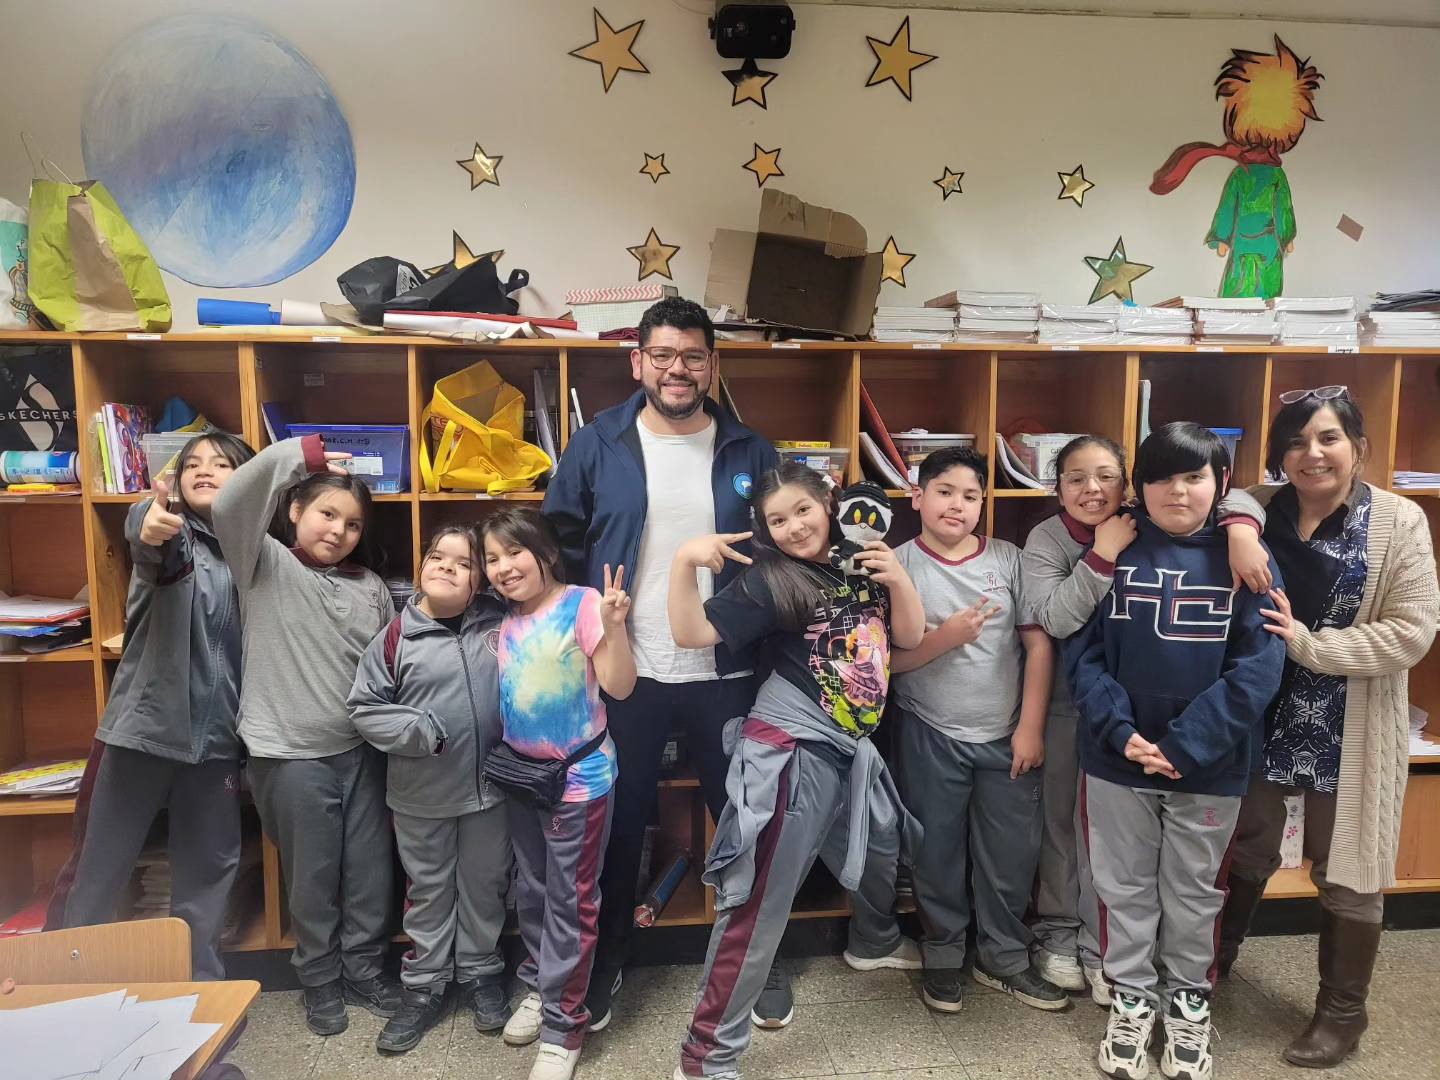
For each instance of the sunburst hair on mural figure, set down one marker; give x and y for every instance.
(1268, 97)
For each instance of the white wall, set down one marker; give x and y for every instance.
(1012, 99)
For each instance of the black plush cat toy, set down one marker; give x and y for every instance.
(864, 514)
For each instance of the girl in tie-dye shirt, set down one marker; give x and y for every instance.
(560, 645)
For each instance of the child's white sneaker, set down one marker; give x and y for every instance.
(554, 1062)
(1187, 1037)
(1127, 1038)
(523, 1027)
(1063, 971)
(1099, 986)
(905, 956)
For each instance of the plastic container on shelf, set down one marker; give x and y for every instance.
(917, 444)
(1231, 437)
(831, 460)
(161, 450)
(380, 453)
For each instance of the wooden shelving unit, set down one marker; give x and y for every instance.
(55, 545)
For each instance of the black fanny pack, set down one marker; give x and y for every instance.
(540, 782)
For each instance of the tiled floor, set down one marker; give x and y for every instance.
(874, 1026)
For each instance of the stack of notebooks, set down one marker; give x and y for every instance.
(40, 778)
(914, 324)
(1405, 329)
(1155, 326)
(1327, 321)
(41, 624)
(1078, 324)
(1232, 320)
(152, 884)
(992, 316)
(118, 429)
(1410, 481)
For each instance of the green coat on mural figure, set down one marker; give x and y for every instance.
(1256, 222)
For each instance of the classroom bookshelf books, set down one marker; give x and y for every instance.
(120, 428)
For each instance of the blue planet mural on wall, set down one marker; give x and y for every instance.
(225, 148)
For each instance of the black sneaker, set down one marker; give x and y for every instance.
(943, 989)
(325, 1009)
(488, 1004)
(1028, 986)
(380, 995)
(604, 985)
(419, 1010)
(775, 1007)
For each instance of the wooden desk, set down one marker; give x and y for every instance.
(222, 1003)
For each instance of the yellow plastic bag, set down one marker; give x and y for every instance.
(475, 455)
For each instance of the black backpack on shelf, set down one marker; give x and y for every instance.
(37, 398)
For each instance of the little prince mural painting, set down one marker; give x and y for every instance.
(1268, 98)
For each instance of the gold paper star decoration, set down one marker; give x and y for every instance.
(949, 184)
(482, 168)
(654, 256)
(463, 256)
(893, 263)
(612, 49)
(749, 84)
(1116, 274)
(1073, 185)
(654, 167)
(765, 164)
(895, 60)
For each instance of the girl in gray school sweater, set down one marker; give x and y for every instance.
(309, 610)
(428, 695)
(1068, 567)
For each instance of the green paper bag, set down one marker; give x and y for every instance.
(89, 270)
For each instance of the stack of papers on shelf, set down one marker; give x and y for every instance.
(105, 1035)
(1238, 320)
(1012, 471)
(1420, 300)
(1156, 326)
(992, 316)
(39, 624)
(1406, 480)
(153, 871)
(1317, 320)
(43, 777)
(914, 324)
(1078, 324)
(1402, 328)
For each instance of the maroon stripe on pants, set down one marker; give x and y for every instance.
(734, 945)
(587, 915)
(1099, 903)
(1222, 882)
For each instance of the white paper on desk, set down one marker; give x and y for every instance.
(40, 1040)
(166, 1046)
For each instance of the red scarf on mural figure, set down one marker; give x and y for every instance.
(1173, 173)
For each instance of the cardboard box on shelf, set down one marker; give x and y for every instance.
(804, 266)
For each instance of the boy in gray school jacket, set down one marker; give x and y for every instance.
(427, 694)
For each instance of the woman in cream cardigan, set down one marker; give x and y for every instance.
(1357, 612)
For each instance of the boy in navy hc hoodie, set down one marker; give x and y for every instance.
(1171, 679)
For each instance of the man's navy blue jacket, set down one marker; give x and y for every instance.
(597, 500)
(1178, 655)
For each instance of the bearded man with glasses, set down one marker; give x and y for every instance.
(663, 467)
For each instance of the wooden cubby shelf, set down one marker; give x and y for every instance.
(55, 545)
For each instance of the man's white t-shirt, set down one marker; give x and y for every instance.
(681, 507)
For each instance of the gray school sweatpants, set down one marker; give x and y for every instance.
(459, 873)
(980, 826)
(328, 818)
(203, 800)
(559, 854)
(811, 819)
(1067, 918)
(1159, 860)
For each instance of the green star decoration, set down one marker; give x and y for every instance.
(1116, 274)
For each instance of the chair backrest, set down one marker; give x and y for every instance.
(142, 950)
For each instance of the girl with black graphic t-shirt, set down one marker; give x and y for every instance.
(804, 779)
